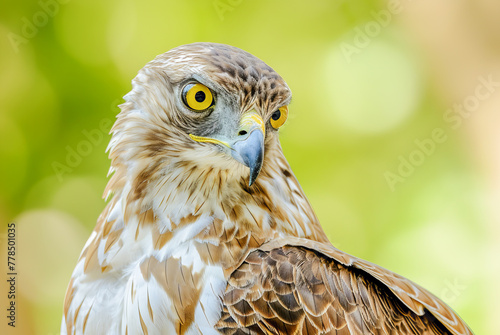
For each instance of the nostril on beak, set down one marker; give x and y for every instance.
(242, 132)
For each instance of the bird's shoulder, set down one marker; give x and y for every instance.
(299, 286)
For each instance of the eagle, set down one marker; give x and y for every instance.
(208, 231)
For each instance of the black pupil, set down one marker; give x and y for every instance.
(199, 96)
(276, 115)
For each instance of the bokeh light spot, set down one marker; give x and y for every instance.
(49, 243)
(81, 197)
(374, 91)
(88, 45)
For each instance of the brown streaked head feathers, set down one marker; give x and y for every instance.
(154, 124)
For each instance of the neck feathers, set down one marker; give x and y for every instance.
(178, 199)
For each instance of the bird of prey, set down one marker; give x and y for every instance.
(207, 230)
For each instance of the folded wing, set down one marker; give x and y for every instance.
(297, 286)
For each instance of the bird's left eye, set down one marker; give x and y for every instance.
(279, 117)
(197, 96)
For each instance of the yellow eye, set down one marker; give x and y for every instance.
(197, 96)
(279, 117)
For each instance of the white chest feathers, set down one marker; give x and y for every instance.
(176, 295)
(153, 285)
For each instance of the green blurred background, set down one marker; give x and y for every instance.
(370, 79)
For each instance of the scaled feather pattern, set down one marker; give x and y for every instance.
(207, 230)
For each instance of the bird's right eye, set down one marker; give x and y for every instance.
(197, 96)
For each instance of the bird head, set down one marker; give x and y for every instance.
(214, 106)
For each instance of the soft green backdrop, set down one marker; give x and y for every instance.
(359, 105)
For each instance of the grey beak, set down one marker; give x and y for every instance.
(250, 151)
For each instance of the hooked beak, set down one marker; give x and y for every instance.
(250, 152)
(248, 146)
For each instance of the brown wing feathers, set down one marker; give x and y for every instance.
(293, 290)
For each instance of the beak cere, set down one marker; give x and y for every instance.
(248, 145)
